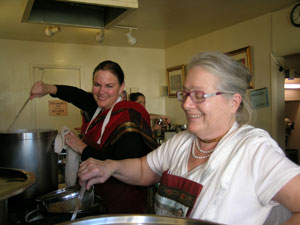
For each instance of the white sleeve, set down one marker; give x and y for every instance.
(170, 152)
(271, 169)
(159, 159)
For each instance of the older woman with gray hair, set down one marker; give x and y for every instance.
(221, 169)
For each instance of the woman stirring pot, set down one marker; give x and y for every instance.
(112, 128)
(221, 169)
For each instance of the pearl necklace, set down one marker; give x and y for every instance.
(199, 157)
(199, 149)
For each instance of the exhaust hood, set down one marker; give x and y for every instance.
(81, 13)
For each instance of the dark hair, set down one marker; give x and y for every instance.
(113, 67)
(134, 96)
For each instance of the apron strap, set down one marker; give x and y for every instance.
(106, 120)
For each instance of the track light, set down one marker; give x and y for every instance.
(100, 36)
(131, 39)
(51, 30)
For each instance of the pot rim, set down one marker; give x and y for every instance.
(61, 194)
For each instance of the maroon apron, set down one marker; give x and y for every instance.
(176, 196)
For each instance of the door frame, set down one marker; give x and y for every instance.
(43, 67)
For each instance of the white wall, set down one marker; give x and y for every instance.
(254, 33)
(144, 68)
(285, 37)
(265, 34)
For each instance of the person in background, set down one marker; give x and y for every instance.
(112, 129)
(158, 120)
(221, 169)
(289, 126)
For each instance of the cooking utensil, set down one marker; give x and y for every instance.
(23, 106)
(78, 201)
(31, 150)
(137, 220)
(12, 182)
(64, 200)
(53, 218)
(17, 116)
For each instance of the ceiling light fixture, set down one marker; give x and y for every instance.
(100, 36)
(291, 86)
(131, 40)
(51, 30)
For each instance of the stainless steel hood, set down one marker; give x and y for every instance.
(81, 13)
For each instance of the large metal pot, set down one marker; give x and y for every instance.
(12, 182)
(136, 220)
(31, 150)
(64, 200)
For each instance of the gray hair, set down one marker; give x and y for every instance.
(233, 77)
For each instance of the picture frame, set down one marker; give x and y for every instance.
(259, 98)
(175, 77)
(243, 55)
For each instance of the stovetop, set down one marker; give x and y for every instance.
(26, 212)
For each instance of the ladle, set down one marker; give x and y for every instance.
(78, 201)
(19, 113)
(23, 106)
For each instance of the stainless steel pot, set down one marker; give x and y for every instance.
(12, 182)
(31, 150)
(64, 200)
(136, 219)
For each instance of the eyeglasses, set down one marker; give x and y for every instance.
(196, 96)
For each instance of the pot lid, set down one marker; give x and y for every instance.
(14, 181)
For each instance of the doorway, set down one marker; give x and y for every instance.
(52, 113)
(292, 106)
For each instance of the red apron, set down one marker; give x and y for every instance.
(126, 116)
(176, 196)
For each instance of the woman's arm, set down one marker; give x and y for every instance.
(78, 97)
(289, 196)
(40, 89)
(130, 171)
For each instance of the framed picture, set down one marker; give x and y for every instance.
(175, 76)
(243, 55)
(259, 98)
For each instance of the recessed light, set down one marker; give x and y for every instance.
(291, 86)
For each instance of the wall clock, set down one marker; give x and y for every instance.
(295, 15)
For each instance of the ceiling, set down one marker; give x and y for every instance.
(160, 23)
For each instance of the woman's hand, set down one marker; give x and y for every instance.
(130, 171)
(162, 121)
(40, 89)
(74, 142)
(166, 120)
(93, 171)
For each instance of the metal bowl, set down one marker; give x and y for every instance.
(64, 200)
(136, 219)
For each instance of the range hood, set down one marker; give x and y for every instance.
(81, 13)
